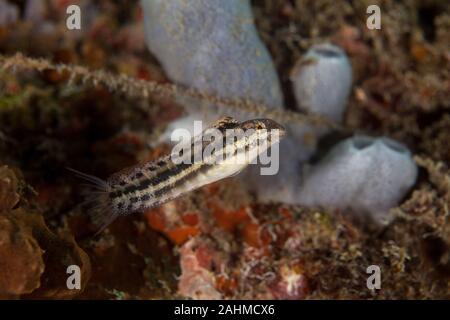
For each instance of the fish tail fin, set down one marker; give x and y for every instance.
(97, 201)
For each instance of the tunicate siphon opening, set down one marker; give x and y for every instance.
(394, 145)
(362, 142)
(328, 52)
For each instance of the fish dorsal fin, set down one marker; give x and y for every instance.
(225, 123)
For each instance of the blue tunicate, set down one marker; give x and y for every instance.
(212, 46)
(365, 175)
(322, 81)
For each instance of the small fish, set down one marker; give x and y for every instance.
(151, 184)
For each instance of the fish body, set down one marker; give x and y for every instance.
(151, 184)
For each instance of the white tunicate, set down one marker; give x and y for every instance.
(212, 46)
(365, 175)
(322, 81)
